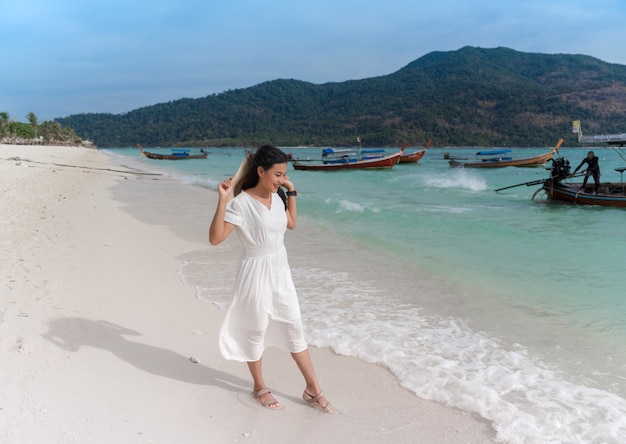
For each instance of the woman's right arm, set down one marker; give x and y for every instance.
(220, 229)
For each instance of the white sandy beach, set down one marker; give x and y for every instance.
(97, 330)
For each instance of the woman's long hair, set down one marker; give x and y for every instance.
(247, 176)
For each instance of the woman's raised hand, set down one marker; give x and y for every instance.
(287, 183)
(224, 187)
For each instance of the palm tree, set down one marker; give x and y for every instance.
(32, 118)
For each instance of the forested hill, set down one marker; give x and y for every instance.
(469, 97)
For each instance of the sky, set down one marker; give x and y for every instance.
(64, 57)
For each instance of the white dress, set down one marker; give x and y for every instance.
(264, 311)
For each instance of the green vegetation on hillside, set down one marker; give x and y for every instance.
(46, 133)
(469, 97)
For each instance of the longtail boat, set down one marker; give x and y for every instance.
(177, 154)
(350, 159)
(383, 162)
(415, 156)
(558, 187)
(609, 194)
(501, 158)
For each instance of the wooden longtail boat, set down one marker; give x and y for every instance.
(177, 154)
(350, 159)
(559, 188)
(609, 194)
(383, 162)
(416, 156)
(500, 159)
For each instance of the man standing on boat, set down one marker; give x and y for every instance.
(593, 169)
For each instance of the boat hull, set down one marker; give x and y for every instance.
(534, 161)
(416, 156)
(177, 154)
(412, 157)
(379, 163)
(525, 162)
(609, 194)
(150, 155)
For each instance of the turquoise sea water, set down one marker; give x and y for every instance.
(503, 306)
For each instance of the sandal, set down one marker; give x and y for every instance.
(270, 402)
(314, 401)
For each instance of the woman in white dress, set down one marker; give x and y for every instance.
(264, 310)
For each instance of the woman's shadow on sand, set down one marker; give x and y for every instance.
(71, 334)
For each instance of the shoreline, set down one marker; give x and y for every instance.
(99, 330)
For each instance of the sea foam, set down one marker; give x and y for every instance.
(442, 359)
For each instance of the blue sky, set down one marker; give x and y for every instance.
(75, 56)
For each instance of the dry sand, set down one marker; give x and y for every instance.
(97, 330)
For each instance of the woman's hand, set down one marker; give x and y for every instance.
(220, 229)
(287, 183)
(224, 187)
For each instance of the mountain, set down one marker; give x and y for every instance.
(469, 97)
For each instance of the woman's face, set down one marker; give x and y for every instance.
(272, 178)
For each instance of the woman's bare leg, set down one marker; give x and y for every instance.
(255, 368)
(305, 364)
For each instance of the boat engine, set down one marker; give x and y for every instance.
(560, 168)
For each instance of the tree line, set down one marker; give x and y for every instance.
(46, 133)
